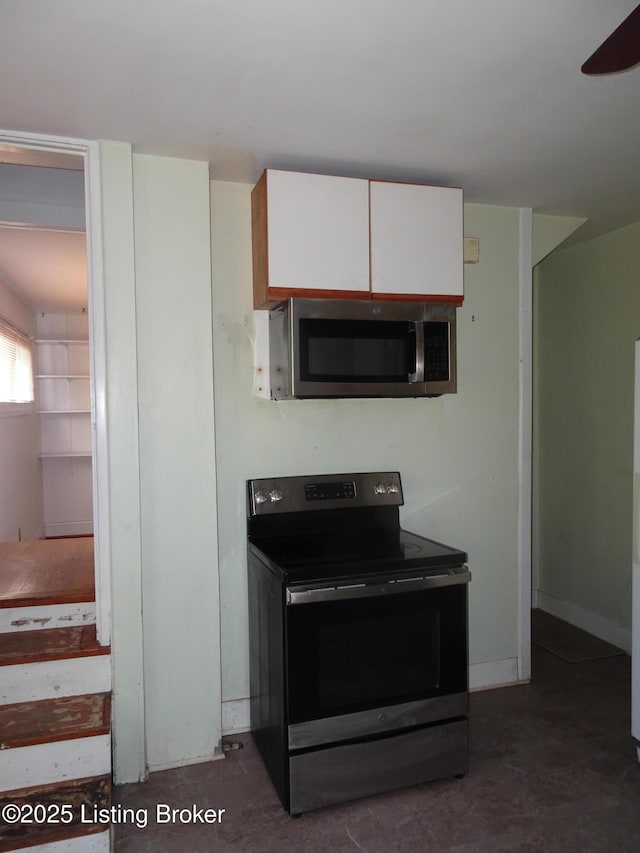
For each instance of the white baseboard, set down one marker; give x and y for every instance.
(185, 762)
(236, 717)
(69, 528)
(493, 673)
(575, 615)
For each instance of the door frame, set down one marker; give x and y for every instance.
(525, 438)
(90, 153)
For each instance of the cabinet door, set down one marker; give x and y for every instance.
(317, 235)
(416, 241)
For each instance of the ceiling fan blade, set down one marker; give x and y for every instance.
(620, 52)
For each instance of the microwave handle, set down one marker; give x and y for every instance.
(417, 333)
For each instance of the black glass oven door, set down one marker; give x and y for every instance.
(357, 654)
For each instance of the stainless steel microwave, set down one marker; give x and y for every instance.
(310, 348)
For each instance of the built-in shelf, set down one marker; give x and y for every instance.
(63, 396)
(63, 399)
(61, 341)
(69, 455)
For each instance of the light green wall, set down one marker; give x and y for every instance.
(549, 231)
(165, 632)
(177, 459)
(586, 320)
(457, 454)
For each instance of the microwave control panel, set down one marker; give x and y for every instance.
(436, 352)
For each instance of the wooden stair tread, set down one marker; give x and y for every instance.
(82, 794)
(47, 720)
(20, 647)
(46, 571)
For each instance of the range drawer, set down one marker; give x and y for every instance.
(341, 773)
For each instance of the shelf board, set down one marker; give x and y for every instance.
(66, 455)
(62, 376)
(64, 411)
(61, 341)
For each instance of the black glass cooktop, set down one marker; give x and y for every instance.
(341, 555)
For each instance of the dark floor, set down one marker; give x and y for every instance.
(552, 768)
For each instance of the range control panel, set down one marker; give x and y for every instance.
(324, 491)
(330, 491)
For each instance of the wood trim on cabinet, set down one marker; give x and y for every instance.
(275, 295)
(260, 243)
(449, 298)
(278, 294)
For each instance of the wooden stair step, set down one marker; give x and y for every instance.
(43, 571)
(48, 720)
(21, 647)
(85, 796)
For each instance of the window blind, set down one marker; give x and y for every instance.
(16, 366)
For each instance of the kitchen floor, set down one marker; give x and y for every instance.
(552, 768)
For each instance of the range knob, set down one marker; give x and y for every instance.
(380, 489)
(275, 495)
(392, 489)
(260, 497)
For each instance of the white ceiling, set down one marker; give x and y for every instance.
(43, 256)
(483, 94)
(47, 269)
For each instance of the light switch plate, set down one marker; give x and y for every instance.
(471, 250)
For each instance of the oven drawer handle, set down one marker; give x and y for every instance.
(307, 596)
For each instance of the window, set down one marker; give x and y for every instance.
(16, 368)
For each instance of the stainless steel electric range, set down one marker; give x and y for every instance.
(358, 641)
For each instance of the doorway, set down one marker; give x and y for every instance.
(50, 217)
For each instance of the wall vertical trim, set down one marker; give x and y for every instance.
(128, 718)
(525, 385)
(98, 373)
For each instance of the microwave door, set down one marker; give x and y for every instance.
(339, 357)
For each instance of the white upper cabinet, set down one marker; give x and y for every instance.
(416, 241)
(310, 233)
(326, 236)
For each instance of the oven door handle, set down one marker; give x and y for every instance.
(301, 595)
